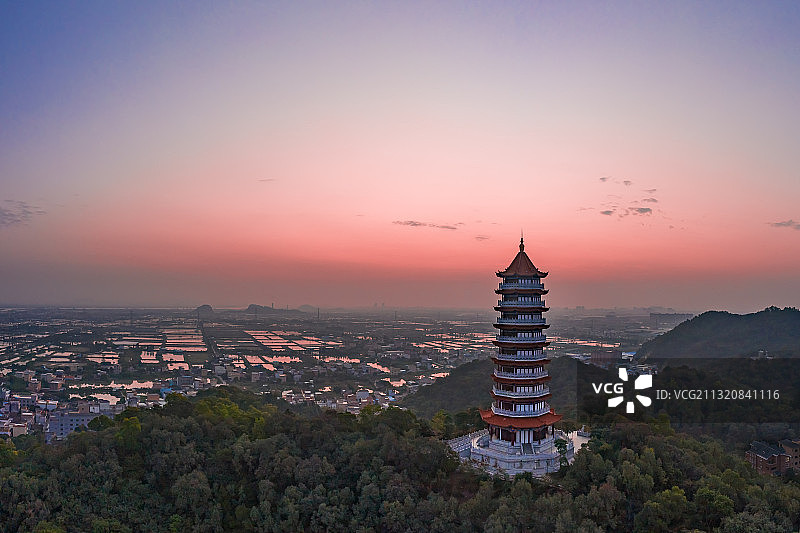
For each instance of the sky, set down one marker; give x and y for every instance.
(391, 153)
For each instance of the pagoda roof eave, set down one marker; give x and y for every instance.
(536, 272)
(520, 381)
(521, 327)
(519, 423)
(498, 360)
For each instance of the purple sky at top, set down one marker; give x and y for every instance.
(348, 153)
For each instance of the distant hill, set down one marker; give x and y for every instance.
(263, 310)
(205, 310)
(469, 384)
(723, 334)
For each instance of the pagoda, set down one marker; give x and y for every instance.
(521, 437)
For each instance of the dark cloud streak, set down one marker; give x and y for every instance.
(786, 224)
(18, 213)
(418, 224)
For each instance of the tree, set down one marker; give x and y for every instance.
(7, 452)
(561, 446)
(712, 506)
(442, 424)
(100, 423)
(128, 434)
(666, 511)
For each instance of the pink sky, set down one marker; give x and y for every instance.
(392, 153)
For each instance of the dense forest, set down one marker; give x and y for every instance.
(723, 334)
(231, 460)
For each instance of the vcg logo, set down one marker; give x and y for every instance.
(645, 381)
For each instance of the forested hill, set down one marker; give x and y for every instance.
(469, 385)
(723, 334)
(229, 460)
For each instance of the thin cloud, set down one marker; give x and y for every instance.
(606, 179)
(266, 179)
(418, 224)
(481, 237)
(786, 224)
(17, 213)
(412, 223)
(621, 201)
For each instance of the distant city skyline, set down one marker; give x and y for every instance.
(343, 154)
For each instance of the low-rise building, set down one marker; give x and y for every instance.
(62, 422)
(12, 429)
(767, 459)
(792, 449)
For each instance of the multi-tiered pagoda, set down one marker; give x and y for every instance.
(521, 435)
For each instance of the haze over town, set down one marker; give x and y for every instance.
(352, 154)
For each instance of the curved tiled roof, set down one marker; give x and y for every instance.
(519, 423)
(522, 265)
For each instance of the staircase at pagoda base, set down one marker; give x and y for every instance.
(539, 457)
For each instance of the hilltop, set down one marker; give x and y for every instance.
(723, 334)
(469, 385)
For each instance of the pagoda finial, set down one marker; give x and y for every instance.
(521, 242)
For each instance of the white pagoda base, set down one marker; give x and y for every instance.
(501, 457)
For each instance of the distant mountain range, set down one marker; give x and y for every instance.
(723, 334)
(206, 310)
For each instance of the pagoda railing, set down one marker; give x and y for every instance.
(523, 321)
(538, 338)
(519, 303)
(513, 394)
(521, 286)
(508, 412)
(520, 375)
(539, 354)
(501, 452)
